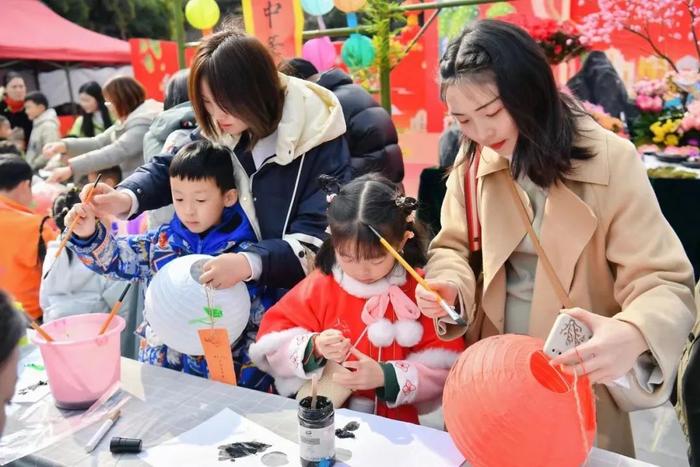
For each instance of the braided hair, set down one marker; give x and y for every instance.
(61, 205)
(370, 200)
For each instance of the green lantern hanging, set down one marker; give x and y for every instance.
(358, 51)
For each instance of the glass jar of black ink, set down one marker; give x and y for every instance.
(316, 432)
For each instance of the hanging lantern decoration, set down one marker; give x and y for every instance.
(349, 6)
(202, 14)
(525, 408)
(500, 9)
(321, 52)
(317, 7)
(358, 51)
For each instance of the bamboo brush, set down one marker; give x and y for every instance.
(443, 304)
(115, 309)
(67, 234)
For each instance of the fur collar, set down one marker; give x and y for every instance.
(397, 276)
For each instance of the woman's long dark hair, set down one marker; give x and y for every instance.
(12, 326)
(93, 89)
(492, 51)
(369, 200)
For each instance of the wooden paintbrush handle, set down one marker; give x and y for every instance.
(41, 332)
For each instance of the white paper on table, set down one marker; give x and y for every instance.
(382, 441)
(32, 386)
(601, 458)
(199, 446)
(30, 371)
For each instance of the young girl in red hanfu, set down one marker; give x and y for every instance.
(356, 308)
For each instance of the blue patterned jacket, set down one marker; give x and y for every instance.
(141, 256)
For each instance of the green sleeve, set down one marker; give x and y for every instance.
(312, 363)
(390, 391)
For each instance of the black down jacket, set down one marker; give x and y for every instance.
(371, 134)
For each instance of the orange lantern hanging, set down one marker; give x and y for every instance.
(504, 405)
(349, 6)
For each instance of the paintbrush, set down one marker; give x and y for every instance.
(314, 390)
(33, 323)
(354, 346)
(67, 234)
(41, 332)
(115, 309)
(443, 304)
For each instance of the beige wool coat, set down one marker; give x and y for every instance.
(611, 247)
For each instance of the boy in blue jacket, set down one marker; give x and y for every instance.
(208, 220)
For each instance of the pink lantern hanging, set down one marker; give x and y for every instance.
(320, 52)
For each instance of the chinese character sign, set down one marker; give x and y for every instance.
(277, 24)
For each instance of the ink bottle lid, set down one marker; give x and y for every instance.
(119, 445)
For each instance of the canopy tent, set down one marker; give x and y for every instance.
(29, 30)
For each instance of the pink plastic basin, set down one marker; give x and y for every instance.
(81, 365)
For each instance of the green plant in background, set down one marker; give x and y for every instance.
(118, 18)
(368, 77)
(381, 17)
(500, 9)
(453, 20)
(652, 128)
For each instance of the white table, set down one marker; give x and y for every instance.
(165, 403)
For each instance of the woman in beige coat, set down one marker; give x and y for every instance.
(593, 209)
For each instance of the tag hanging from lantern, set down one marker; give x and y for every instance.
(202, 14)
(358, 51)
(317, 7)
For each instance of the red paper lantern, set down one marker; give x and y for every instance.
(504, 405)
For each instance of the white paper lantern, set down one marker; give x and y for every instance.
(176, 307)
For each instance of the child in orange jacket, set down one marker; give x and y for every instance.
(24, 235)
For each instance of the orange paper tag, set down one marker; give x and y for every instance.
(217, 353)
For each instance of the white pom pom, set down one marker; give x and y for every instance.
(381, 333)
(408, 332)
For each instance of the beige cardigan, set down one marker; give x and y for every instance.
(613, 250)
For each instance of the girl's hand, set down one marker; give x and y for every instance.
(428, 303)
(107, 201)
(609, 354)
(367, 374)
(51, 149)
(225, 271)
(331, 345)
(60, 175)
(85, 227)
